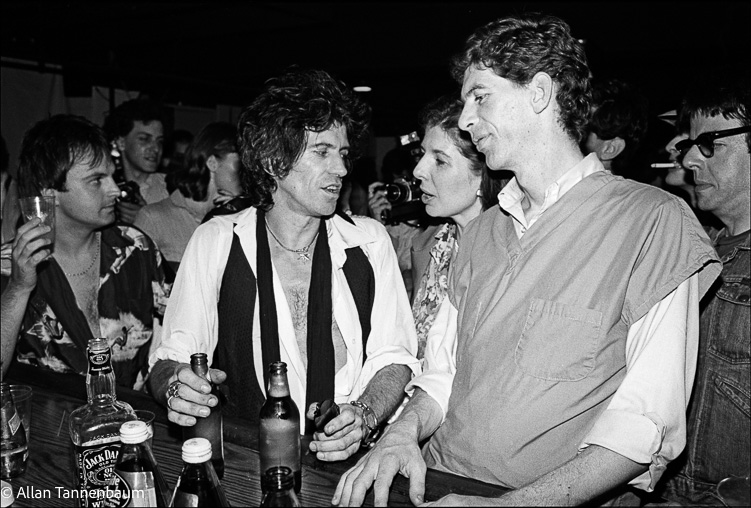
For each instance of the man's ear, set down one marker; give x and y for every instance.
(611, 148)
(120, 143)
(212, 163)
(542, 88)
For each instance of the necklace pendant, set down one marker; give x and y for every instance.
(304, 256)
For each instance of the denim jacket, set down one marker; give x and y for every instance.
(719, 415)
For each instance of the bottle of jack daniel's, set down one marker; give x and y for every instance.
(95, 431)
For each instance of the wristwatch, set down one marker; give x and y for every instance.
(371, 422)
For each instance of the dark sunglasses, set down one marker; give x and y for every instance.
(705, 141)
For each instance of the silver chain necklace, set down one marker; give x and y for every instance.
(303, 253)
(93, 261)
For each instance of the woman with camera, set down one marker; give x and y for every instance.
(456, 185)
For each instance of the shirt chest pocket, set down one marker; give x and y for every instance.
(736, 289)
(558, 341)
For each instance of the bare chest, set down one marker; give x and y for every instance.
(86, 291)
(295, 278)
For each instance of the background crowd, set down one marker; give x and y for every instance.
(530, 185)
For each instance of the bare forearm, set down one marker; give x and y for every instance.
(422, 415)
(159, 379)
(385, 391)
(592, 473)
(13, 306)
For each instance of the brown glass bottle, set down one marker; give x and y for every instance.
(138, 469)
(279, 428)
(278, 485)
(198, 484)
(210, 427)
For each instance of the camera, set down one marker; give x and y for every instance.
(129, 192)
(402, 191)
(404, 196)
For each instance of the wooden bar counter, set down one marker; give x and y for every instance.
(49, 478)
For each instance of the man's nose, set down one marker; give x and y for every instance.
(339, 167)
(111, 188)
(693, 159)
(468, 117)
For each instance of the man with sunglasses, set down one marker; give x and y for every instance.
(719, 427)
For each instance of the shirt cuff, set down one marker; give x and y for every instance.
(638, 437)
(437, 384)
(385, 356)
(165, 352)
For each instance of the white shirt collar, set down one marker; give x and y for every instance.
(342, 234)
(510, 197)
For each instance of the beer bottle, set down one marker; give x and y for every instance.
(14, 448)
(198, 484)
(95, 428)
(138, 469)
(279, 489)
(279, 429)
(210, 427)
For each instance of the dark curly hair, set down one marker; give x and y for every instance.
(192, 179)
(52, 147)
(518, 47)
(619, 110)
(120, 121)
(444, 113)
(272, 129)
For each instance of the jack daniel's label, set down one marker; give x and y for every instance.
(99, 362)
(97, 481)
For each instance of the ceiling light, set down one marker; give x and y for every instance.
(362, 88)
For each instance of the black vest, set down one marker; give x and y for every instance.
(237, 297)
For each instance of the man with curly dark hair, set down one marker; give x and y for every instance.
(289, 280)
(571, 346)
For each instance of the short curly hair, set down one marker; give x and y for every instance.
(518, 47)
(444, 113)
(272, 129)
(619, 110)
(121, 120)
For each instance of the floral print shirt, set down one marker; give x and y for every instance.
(433, 285)
(132, 297)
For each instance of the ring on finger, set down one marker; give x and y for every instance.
(173, 392)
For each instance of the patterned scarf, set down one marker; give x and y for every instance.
(433, 285)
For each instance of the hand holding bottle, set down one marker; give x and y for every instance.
(342, 436)
(189, 395)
